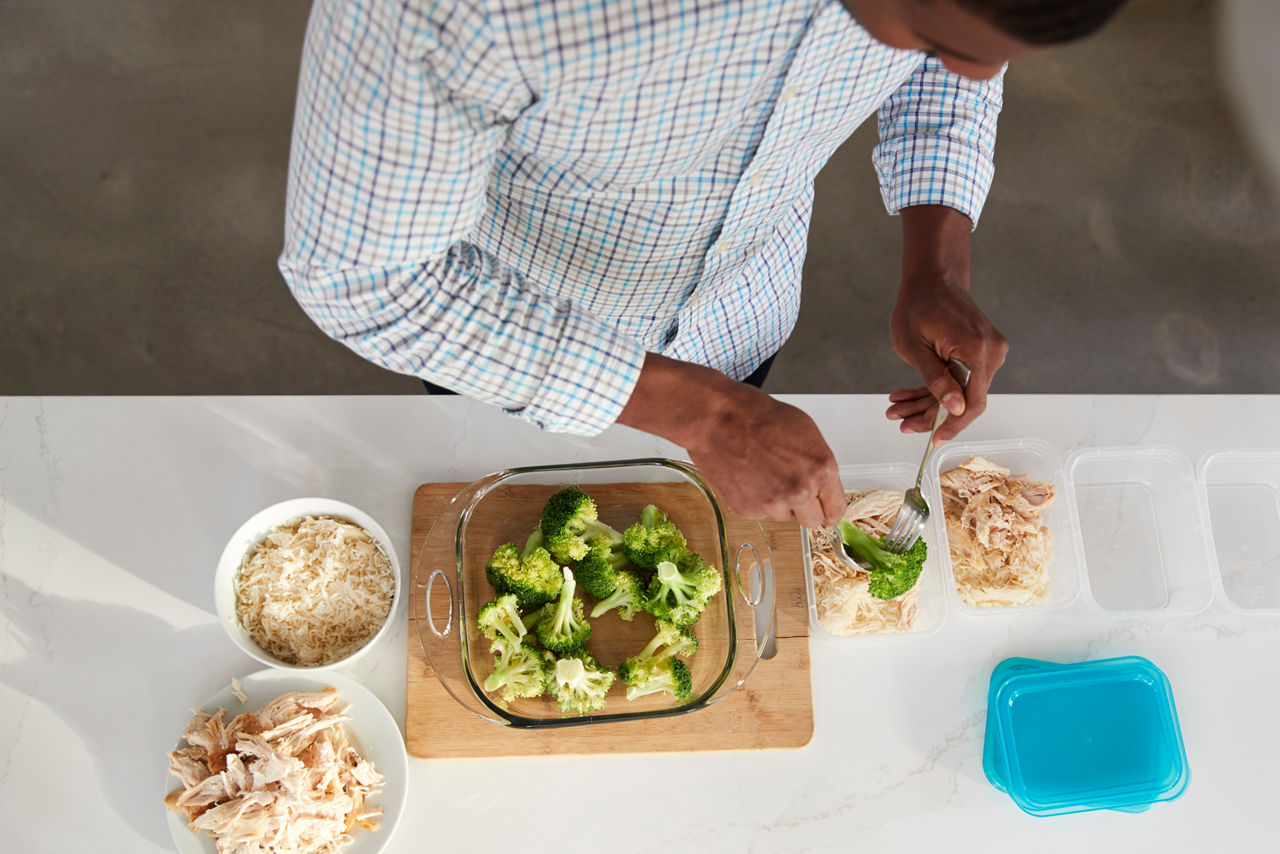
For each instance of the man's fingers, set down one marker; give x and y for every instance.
(943, 386)
(901, 395)
(918, 424)
(809, 513)
(977, 394)
(911, 408)
(831, 496)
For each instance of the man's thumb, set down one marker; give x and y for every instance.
(942, 385)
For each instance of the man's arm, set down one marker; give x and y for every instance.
(935, 164)
(767, 458)
(935, 319)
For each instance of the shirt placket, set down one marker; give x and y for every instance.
(793, 148)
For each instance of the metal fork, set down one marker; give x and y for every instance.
(909, 523)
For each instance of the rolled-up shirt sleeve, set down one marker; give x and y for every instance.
(937, 140)
(401, 113)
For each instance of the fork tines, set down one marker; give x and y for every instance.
(907, 528)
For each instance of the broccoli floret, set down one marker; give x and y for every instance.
(891, 574)
(499, 619)
(670, 640)
(657, 667)
(644, 541)
(569, 521)
(598, 572)
(581, 683)
(531, 621)
(649, 677)
(563, 626)
(505, 562)
(549, 668)
(627, 597)
(519, 670)
(679, 593)
(532, 575)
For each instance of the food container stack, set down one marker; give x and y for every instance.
(1067, 738)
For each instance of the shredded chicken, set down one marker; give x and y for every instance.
(999, 549)
(285, 779)
(315, 591)
(845, 607)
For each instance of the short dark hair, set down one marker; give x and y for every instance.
(1044, 22)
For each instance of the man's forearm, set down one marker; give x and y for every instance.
(935, 246)
(766, 458)
(679, 401)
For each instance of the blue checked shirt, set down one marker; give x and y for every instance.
(517, 198)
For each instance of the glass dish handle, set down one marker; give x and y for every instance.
(753, 599)
(431, 617)
(445, 649)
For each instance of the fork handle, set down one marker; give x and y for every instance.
(961, 372)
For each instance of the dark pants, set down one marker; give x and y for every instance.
(756, 379)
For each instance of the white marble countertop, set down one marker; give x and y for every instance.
(113, 512)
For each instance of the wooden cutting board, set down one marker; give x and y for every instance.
(773, 709)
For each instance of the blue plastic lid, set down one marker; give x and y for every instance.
(1065, 738)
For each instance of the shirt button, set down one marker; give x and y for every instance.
(788, 94)
(754, 179)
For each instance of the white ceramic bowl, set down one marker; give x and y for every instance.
(247, 538)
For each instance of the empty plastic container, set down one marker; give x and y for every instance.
(1066, 738)
(1240, 491)
(1143, 538)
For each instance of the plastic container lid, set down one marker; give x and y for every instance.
(1145, 544)
(1066, 738)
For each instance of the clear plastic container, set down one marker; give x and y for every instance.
(1240, 495)
(1038, 461)
(1067, 738)
(931, 599)
(1143, 539)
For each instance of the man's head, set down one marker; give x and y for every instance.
(976, 38)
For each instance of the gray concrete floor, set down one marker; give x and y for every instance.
(1129, 244)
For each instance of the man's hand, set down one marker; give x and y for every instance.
(767, 460)
(935, 320)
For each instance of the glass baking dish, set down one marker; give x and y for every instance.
(449, 585)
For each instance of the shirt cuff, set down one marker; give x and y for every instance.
(933, 170)
(588, 382)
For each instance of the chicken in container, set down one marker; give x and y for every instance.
(846, 598)
(999, 548)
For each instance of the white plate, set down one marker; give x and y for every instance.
(372, 730)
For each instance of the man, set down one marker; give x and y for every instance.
(590, 212)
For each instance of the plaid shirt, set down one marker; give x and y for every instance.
(517, 198)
